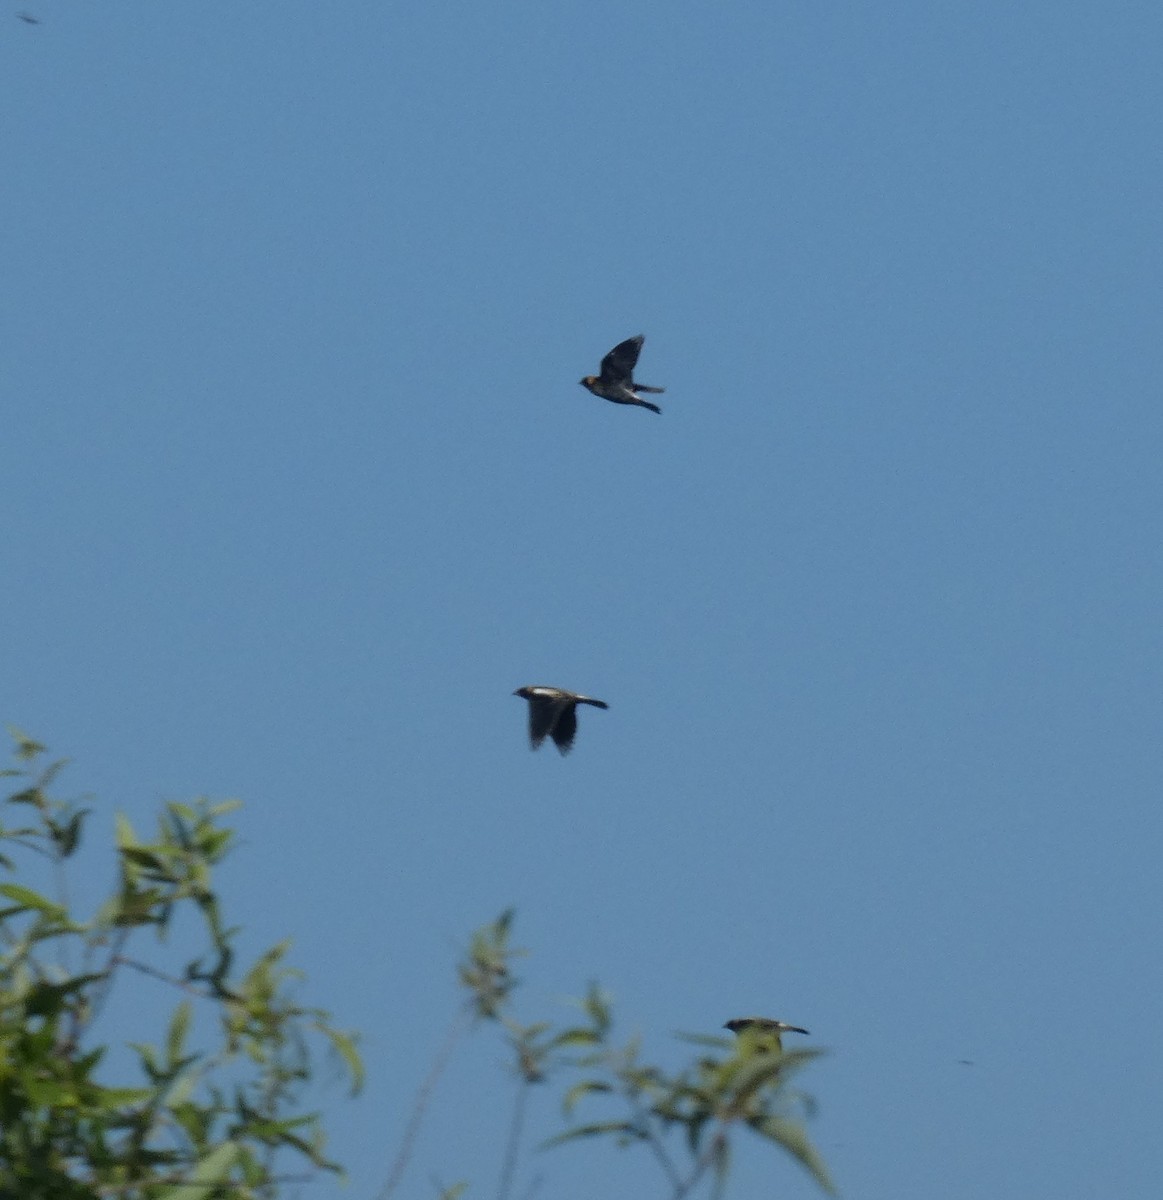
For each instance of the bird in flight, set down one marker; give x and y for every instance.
(553, 713)
(616, 382)
(763, 1031)
(28, 18)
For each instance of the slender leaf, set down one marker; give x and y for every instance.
(344, 1045)
(179, 1028)
(794, 1139)
(587, 1087)
(210, 1172)
(596, 1129)
(26, 898)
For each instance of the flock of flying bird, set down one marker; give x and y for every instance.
(553, 710)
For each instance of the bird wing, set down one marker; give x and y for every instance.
(542, 715)
(565, 727)
(618, 366)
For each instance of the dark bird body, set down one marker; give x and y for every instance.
(553, 713)
(763, 1030)
(616, 382)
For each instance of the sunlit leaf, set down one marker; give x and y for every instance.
(26, 748)
(181, 1091)
(26, 898)
(596, 1129)
(179, 1028)
(587, 1087)
(575, 1037)
(794, 1139)
(344, 1045)
(207, 1176)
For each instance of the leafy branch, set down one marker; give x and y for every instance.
(687, 1120)
(216, 1118)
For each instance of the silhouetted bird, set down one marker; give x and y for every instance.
(553, 713)
(616, 382)
(28, 18)
(764, 1030)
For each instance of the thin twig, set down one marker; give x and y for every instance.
(655, 1142)
(17, 840)
(63, 900)
(423, 1096)
(186, 986)
(101, 992)
(515, 1126)
(701, 1164)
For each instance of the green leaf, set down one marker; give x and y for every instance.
(207, 1176)
(344, 1045)
(587, 1087)
(149, 1060)
(125, 834)
(278, 1130)
(575, 1037)
(503, 924)
(50, 1093)
(179, 1094)
(47, 999)
(179, 1028)
(68, 836)
(26, 748)
(750, 1074)
(597, 1007)
(794, 1139)
(141, 857)
(596, 1129)
(26, 898)
(30, 795)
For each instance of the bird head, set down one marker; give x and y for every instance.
(588, 381)
(737, 1024)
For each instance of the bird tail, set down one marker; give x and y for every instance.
(591, 700)
(652, 407)
(645, 387)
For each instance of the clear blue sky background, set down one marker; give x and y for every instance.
(299, 484)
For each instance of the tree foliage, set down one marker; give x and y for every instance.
(198, 1117)
(688, 1120)
(217, 1108)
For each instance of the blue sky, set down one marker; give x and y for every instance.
(299, 485)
